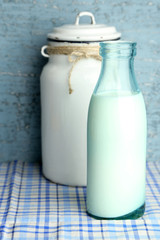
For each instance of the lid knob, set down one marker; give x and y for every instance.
(85, 14)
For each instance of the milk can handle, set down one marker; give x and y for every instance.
(43, 51)
(85, 14)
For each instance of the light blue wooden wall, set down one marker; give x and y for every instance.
(23, 28)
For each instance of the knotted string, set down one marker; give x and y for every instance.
(75, 54)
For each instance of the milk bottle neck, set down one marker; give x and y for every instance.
(117, 71)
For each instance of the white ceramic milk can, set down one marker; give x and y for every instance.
(67, 83)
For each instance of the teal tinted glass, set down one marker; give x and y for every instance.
(117, 73)
(116, 138)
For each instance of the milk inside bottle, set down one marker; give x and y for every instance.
(116, 142)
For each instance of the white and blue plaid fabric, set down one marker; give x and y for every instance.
(31, 207)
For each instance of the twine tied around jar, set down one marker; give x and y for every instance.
(75, 54)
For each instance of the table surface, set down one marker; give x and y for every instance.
(31, 207)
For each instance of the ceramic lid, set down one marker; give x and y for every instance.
(84, 32)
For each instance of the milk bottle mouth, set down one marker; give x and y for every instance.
(118, 43)
(118, 49)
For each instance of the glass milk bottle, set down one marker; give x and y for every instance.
(116, 138)
(67, 83)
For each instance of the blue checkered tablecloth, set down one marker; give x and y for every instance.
(31, 207)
